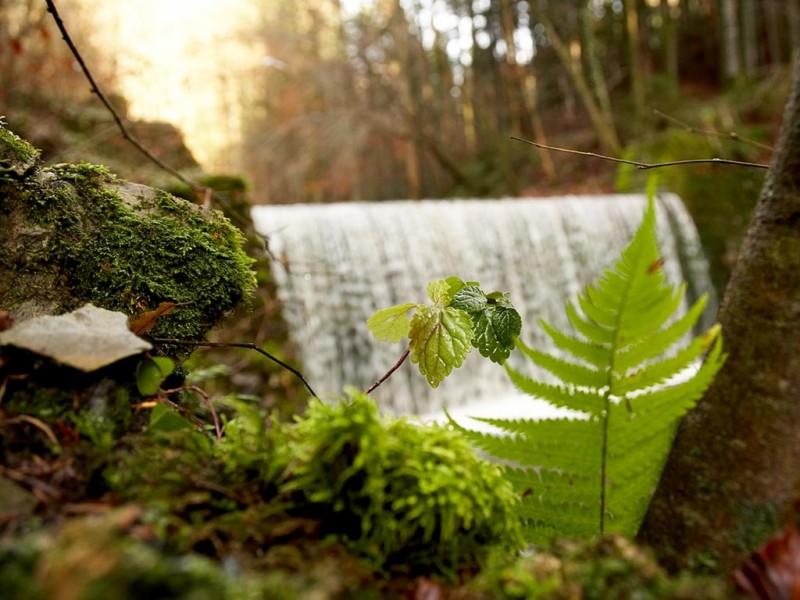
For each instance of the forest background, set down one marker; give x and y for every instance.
(394, 100)
(338, 100)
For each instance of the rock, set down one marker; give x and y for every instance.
(72, 234)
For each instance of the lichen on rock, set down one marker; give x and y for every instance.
(75, 233)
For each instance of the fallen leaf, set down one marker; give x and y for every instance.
(5, 320)
(147, 320)
(773, 572)
(87, 339)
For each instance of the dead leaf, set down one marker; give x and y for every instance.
(147, 320)
(655, 266)
(5, 320)
(773, 572)
(87, 339)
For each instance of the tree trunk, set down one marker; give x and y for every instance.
(539, 135)
(772, 19)
(750, 37)
(735, 466)
(603, 125)
(635, 60)
(593, 63)
(793, 16)
(731, 61)
(669, 42)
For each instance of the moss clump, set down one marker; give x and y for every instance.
(608, 568)
(404, 497)
(78, 234)
(16, 155)
(103, 557)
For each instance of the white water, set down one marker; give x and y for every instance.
(345, 261)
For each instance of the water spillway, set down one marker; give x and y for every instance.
(339, 263)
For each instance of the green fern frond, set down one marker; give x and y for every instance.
(595, 355)
(562, 397)
(626, 369)
(569, 372)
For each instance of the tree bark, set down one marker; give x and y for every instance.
(734, 469)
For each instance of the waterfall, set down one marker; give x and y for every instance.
(342, 262)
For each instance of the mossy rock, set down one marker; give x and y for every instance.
(75, 233)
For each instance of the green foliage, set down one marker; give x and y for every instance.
(441, 335)
(399, 494)
(98, 558)
(595, 474)
(608, 568)
(151, 373)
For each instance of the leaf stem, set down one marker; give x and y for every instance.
(247, 345)
(388, 374)
(204, 395)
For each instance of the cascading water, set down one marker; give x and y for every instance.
(342, 262)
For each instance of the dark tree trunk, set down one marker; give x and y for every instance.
(734, 470)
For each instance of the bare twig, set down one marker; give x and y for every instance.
(388, 374)
(38, 423)
(202, 191)
(238, 345)
(710, 132)
(204, 395)
(645, 166)
(51, 8)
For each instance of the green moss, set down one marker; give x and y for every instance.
(16, 155)
(101, 557)
(131, 257)
(403, 497)
(607, 568)
(398, 494)
(758, 522)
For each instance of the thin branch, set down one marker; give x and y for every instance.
(51, 8)
(645, 166)
(200, 190)
(204, 395)
(710, 132)
(38, 423)
(388, 374)
(249, 346)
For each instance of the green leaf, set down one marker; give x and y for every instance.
(391, 324)
(495, 321)
(440, 340)
(507, 325)
(164, 419)
(496, 330)
(470, 299)
(442, 291)
(151, 373)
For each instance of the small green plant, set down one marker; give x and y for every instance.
(441, 335)
(397, 493)
(595, 473)
(401, 496)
